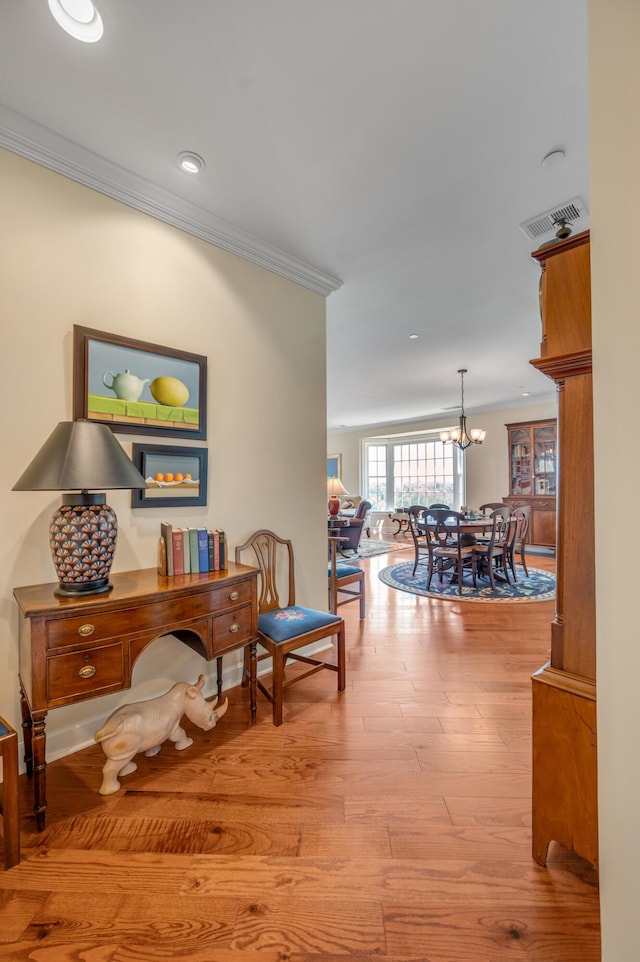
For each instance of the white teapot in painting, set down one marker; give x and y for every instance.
(126, 387)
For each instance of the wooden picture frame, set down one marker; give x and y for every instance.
(334, 466)
(184, 476)
(137, 387)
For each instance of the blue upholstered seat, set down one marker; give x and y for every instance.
(281, 624)
(342, 570)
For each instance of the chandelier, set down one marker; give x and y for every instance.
(460, 436)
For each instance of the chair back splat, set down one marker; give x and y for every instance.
(265, 546)
(284, 629)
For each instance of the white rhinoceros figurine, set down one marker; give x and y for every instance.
(144, 725)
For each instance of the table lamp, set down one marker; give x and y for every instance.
(335, 488)
(77, 456)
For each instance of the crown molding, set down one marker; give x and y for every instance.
(45, 147)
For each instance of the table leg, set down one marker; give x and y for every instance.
(253, 676)
(26, 732)
(219, 675)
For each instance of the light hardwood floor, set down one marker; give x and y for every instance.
(389, 822)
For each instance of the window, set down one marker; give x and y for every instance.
(412, 469)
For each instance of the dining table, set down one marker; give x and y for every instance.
(470, 525)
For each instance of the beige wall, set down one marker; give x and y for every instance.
(614, 41)
(487, 465)
(70, 255)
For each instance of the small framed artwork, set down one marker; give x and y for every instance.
(176, 476)
(334, 465)
(137, 387)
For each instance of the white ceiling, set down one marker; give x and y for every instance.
(391, 146)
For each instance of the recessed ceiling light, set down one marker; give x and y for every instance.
(413, 337)
(79, 18)
(554, 157)
(191, 163)
(526, 393)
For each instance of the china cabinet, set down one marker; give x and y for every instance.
(532, 476)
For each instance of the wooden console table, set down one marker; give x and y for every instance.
(76, 648)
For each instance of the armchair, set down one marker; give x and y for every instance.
(352, 532)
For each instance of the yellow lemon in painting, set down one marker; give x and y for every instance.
(169, 391)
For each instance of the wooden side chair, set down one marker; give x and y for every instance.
(10, 807)
(490, 506)
(415, 515)
(346, 581)
(283, 629)
(448, 549)
(522, 517)
(493, 556)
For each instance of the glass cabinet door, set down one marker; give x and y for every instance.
(544, 460)
(520, 457)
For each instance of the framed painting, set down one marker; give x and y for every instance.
(137, 387)
(176, 476)
(334, 466)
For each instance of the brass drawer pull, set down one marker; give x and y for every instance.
(85, 630)
(88, 671)
(234, 595)
(234, 628)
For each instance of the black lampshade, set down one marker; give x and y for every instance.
(80, 456)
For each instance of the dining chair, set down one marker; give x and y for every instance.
(486, 510)
(493, 555)
(448, 549)
(283, 629)
(346, 581)
(522, 516)
(439, 506)
(415, 514)
(490, 506)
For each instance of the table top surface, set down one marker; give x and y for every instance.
(127, 587)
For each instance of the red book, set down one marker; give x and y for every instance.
(216, 550)
(178, 551)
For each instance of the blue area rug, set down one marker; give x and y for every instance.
(539, 586)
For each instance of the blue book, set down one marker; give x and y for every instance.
(203, 549)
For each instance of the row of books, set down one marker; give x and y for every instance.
(184, 551)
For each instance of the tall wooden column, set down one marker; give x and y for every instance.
(564, 690)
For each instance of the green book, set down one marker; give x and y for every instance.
(194, 557)
(187, 551)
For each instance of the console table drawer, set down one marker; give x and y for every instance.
(238, 594)
(232, 629)
(87, 629)
(85, 673)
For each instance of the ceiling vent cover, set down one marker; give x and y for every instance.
(572, 212)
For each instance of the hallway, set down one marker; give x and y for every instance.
(390, 822)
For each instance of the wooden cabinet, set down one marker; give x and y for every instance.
(78, 647)
(532, 476)
(564, 691)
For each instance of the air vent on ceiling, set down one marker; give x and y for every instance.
(570, 212)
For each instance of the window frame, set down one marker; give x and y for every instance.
(389, 442)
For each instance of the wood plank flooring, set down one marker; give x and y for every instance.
(390, 822)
